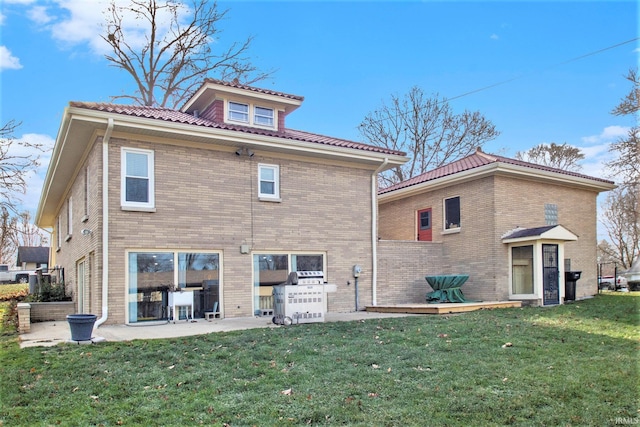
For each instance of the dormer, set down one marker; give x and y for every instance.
(236, 104)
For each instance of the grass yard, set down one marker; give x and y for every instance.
(570, 365)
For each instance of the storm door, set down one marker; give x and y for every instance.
(550, 275)
(424, 225)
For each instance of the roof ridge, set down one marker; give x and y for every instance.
(235, 83)
(484, 155)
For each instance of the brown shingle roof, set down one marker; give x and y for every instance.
(169, 115)
(476, 160)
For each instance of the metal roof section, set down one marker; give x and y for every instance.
(481, 164)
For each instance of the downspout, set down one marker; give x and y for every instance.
(374, 231)
(105, 223)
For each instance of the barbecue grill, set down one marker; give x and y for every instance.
(301, 299)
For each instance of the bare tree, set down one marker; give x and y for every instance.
(7, 236)
(426, 129)
(626, 165)
(178, 51)
(622, 211)
(17, 160)
(27, 234)
(559, 156)
(621, 220)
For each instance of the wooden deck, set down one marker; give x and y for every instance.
(445, 308)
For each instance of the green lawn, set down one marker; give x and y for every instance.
(570, 365)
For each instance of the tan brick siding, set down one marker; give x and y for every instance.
(490, 207)
(402, 267)
(207, 200)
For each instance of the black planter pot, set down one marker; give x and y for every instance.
(81, 326)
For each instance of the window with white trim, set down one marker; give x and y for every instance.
(69, 218)
(59, 232)
(522, 270)
(137, 186)
(263, 116)
(452, 213)
(238, 112)
(268, 181)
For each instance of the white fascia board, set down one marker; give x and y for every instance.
(498, 168)
(556, 234)
(558, 178)
(245, 139)
(53, 163)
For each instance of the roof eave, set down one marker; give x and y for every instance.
(68, 151)
(503, 169)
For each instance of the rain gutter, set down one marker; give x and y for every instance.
(374, 231)
(105, 223)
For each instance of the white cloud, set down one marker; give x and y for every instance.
(596, 151)
(609, 134)
(76, 22)
(39, 15)
(7, 60)
(494, 37)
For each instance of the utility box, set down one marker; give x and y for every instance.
(570, 279)
(293, 304)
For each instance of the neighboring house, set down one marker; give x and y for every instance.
(219, 199)
(32, 257)
(514, 227)
(633, 275)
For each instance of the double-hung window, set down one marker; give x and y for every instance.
(263, 116)
(452, 213)
(137, 188)
(238, 112)
(269, 181)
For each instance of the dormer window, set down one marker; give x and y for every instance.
(263, 116)
(238, 112)
(251, 114)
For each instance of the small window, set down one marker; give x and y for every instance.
(137, 178)
(238, 112)
(263, 116)
(551, 214)
(425, 220)
(269, 181)
(452, 213)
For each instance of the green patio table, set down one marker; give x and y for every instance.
(446, 288)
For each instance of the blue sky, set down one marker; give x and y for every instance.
(557, 67)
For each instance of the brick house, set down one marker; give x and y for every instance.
(513, 227)
(219, 199)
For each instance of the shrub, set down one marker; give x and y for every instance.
(50, 292)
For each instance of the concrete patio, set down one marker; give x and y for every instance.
(45, 334)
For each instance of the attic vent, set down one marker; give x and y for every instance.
(196, 113)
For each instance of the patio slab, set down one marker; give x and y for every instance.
(46, 334)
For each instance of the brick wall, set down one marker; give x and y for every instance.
(206, 200)
(490, 207)
(402, 267)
